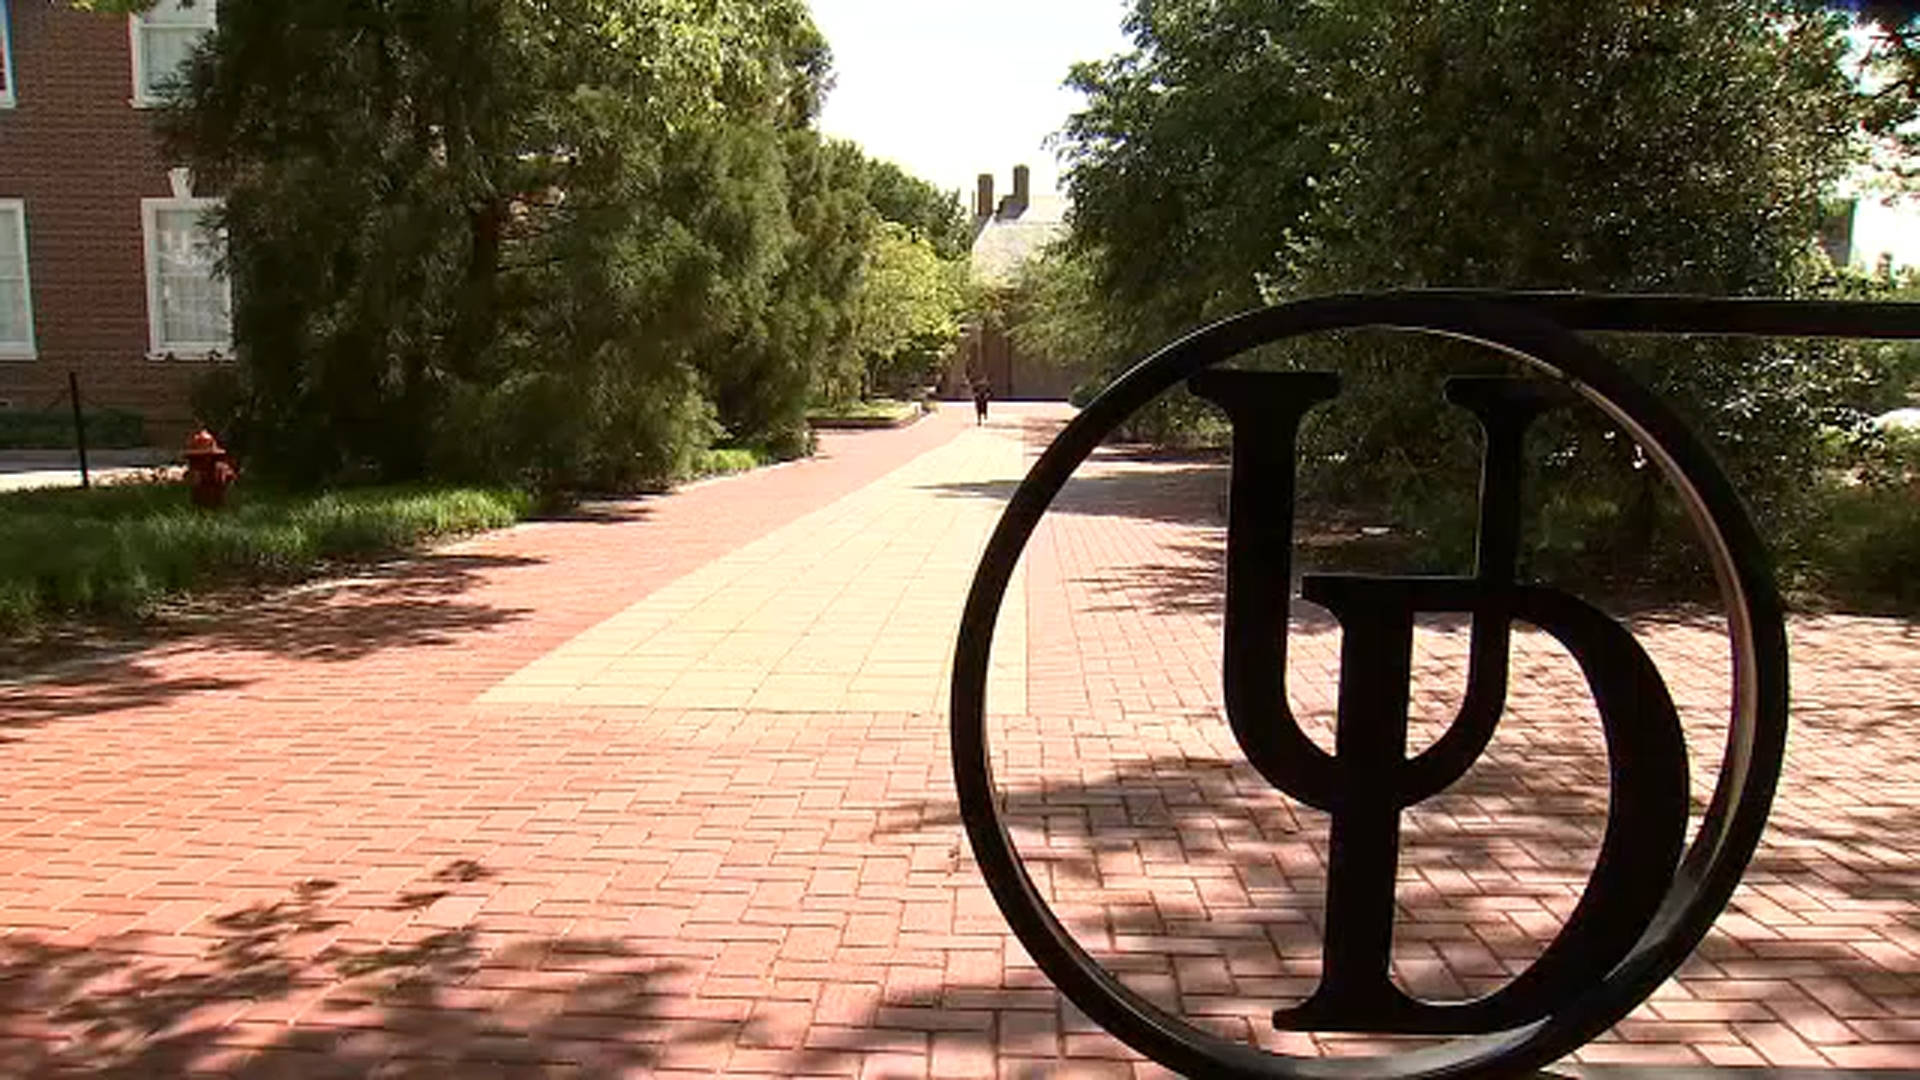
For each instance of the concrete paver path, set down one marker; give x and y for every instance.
(662, 789)
(849, 608)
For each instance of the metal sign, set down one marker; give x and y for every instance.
(1651, 896)
(1369, 780)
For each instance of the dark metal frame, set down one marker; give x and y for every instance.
(1538, 328)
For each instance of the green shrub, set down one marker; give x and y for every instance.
(1175, 419)
(726, 462)
(1870, 556)
(1861, 550)
(609, 434)
(786, 443)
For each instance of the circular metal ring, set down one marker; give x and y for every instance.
(1713, 863)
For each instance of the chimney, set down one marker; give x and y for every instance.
(983, 201)
(1021, 190)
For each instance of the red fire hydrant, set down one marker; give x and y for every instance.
(209, 473)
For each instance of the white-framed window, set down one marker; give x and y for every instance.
(164, 37)
(189, 304)
(6, 56)
(16, 292)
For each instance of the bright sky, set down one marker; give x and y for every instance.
(949, 89)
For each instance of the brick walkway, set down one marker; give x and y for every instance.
(493, 811)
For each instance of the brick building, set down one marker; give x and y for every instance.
(1006, 234)
(106, 267)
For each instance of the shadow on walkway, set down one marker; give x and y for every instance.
(97, 686)
(623, 511)
(1115, 483)
(274, 995)
(416, 602)
(413, 602)
(1518, 826)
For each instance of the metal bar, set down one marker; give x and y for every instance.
(79, 429)
(1709, 315)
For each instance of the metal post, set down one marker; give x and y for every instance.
(79, 429)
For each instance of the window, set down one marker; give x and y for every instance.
(16, 299)
(163, 38)
(6, 57)
(189, 305)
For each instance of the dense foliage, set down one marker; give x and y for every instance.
(931, 214)
(1249, 151)
(908, 311)
(565, 242)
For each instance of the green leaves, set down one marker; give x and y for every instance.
(562, 242)
(908, 309)
(933, 215)
(1253, 151)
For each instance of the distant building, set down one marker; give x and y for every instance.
(1005, 235)
(106, 268)
(1876, 226)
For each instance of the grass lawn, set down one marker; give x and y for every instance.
(116, 550)
(876, 411)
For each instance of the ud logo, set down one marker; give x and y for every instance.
(1368, 780)
(1651, 895)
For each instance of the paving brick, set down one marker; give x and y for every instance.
(323, 831)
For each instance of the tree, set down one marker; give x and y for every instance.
(934, 215)
(803, 337)
(908, 311)
(1892, 64)
(1249, 151)
(1282, 148)
(546, 239)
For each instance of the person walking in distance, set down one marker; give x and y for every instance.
(982, 393)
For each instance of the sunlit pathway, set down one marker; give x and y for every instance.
(852, 607)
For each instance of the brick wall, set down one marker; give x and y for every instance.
(1013, 375)
(82, 157)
